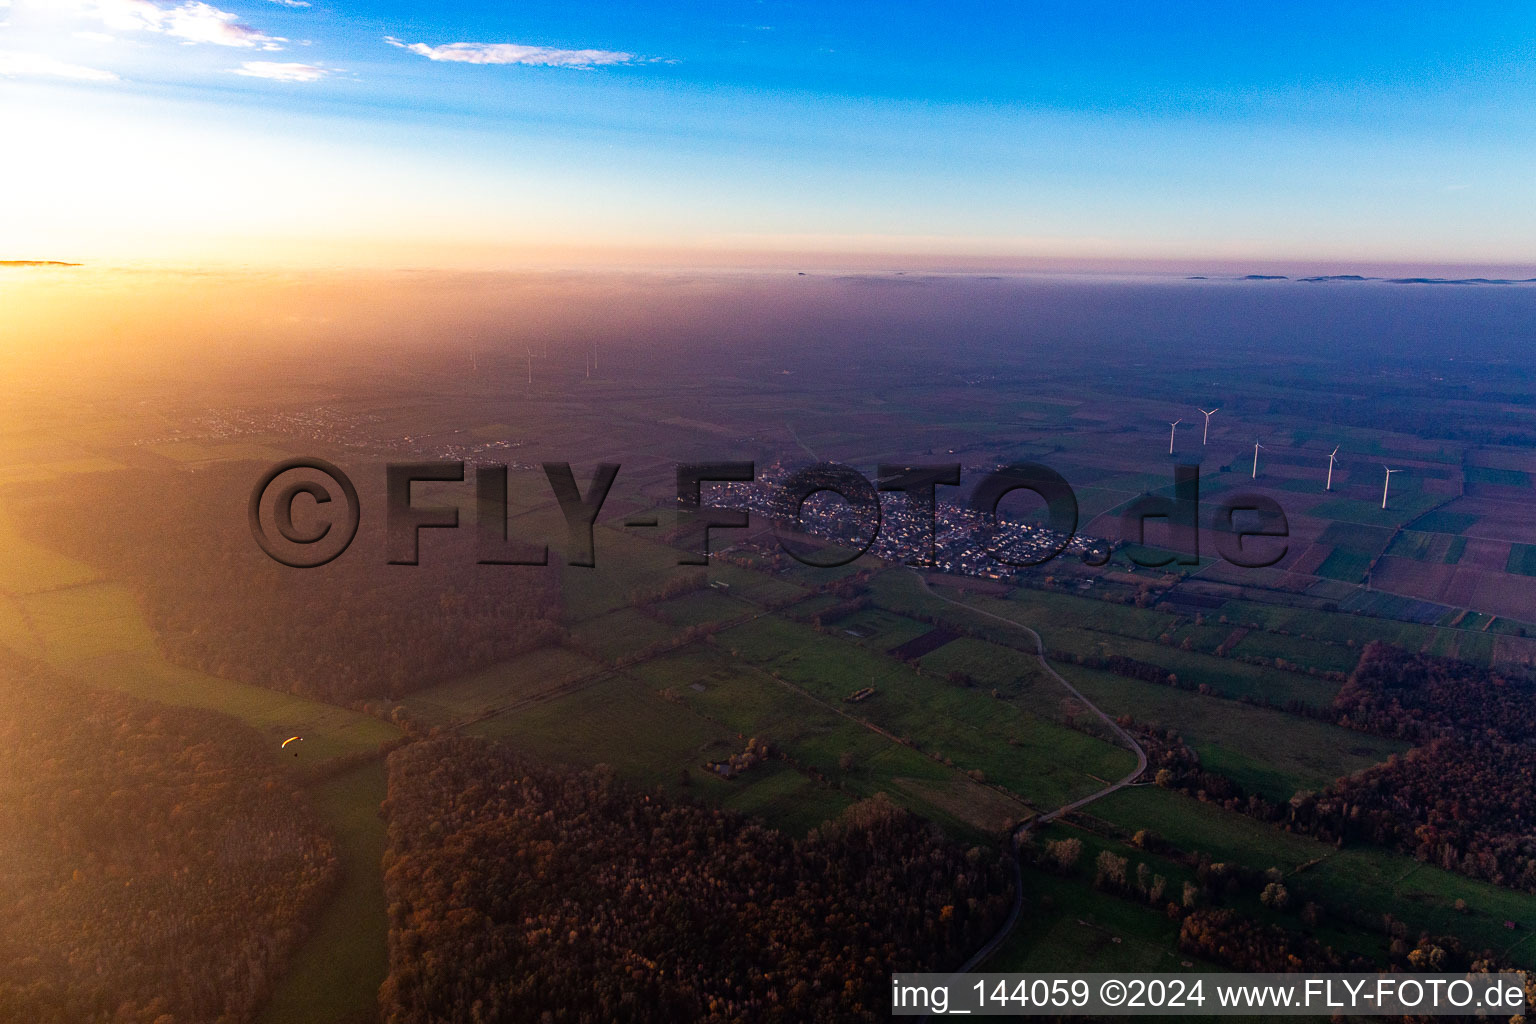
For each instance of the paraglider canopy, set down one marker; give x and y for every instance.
(292, 739)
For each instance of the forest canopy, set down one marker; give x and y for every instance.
(354, 629)
(523, 891)
(154, 866)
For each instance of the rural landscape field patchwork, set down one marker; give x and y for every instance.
(1191, 767)
(766, 512)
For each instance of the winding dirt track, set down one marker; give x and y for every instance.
(1130, 741)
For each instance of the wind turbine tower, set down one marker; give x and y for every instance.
(1171, 428)
(1387, 484)
(1206, 434)
(1332, 458)
(1256, 447)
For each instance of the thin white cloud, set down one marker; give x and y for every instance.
(291, 3)
(278, 71)
(192, 22)
(199, 23)
(36, 65)
(516, 53)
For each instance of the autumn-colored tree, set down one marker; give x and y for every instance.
(154, 865)
(522, 891)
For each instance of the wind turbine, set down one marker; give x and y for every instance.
(1256, 447)
(1331, 460)
(1171, 428)
(530, 364)
(1387, 484)
(1207, 432)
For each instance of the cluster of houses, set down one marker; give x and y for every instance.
(962, 538)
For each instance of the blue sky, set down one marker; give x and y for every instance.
(1109, 132)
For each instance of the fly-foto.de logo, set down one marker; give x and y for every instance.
(305, 513)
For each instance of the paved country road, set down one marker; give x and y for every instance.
(1130, 741)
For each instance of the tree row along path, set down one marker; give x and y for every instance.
(1125, 737)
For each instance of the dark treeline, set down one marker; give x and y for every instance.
(1420, 697)
(153, 866)
(1244, 944)
(1149, 672)
(355, 629)
(1218, 923)
(520, 891)
(1173, 764)
(840, 610)
(1463, 798)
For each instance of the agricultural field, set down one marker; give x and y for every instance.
(1033, 757)
(881, 630)
(1354, 876)
(1307, 653)
(96, 633)
(1065, 636)
(1330, 626)
(1443, 521)
(1345, 566)
(654, 740)
(829, 738)
(757, 587)
(704, 607)
(1358, 539)
(620, 633)
(1297, 753)
(488, 691)
(1077, 928)
(992, 666)
(1465, 644)
(1421, 547)
(93, 630)
(1522, 559)
(195, 452)
(626, 566)
(1340, 934)
(338, 970)
(1117, 923)
(29, 472)
(29, 567)
(1497, 477)
(618, 721)
(962, 725)
(1405, 506)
